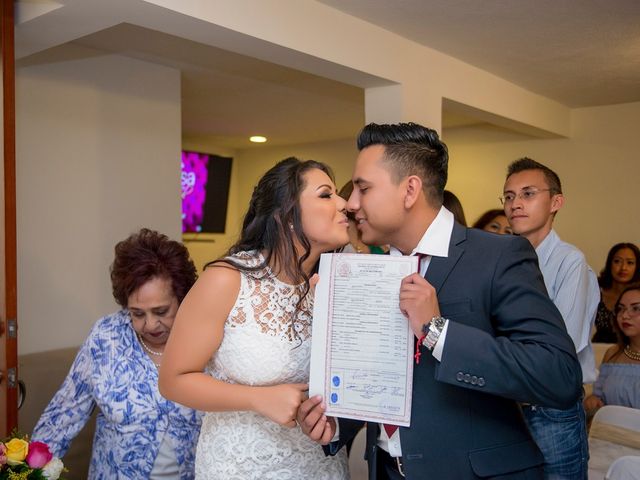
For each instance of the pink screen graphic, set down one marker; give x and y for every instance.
(194, 190)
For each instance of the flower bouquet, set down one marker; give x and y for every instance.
(21, 459)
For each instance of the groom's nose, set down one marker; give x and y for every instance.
(353, 204)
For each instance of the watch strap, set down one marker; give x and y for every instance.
(433, 331)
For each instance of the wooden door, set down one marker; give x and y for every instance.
(8, 276)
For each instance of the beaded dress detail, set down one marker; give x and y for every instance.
(262, 346)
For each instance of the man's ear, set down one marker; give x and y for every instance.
(413, 190)
(557, 201)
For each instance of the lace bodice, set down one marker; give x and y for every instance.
(267, 341)
(267, 335)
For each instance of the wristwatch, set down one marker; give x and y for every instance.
(432, 331)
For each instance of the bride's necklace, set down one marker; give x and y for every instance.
(632, 354)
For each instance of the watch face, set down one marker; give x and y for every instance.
(438, 322)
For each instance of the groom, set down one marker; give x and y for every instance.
(492, 337)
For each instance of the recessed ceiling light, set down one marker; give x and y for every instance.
(258, 139)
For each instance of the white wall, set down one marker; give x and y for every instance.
(598, 166)
(98, 143)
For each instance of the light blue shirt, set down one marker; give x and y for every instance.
(112, 372)
(573, 288)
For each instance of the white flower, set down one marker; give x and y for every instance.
(53, 469)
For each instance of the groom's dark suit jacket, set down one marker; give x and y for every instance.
(506, 343)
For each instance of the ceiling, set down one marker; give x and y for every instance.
(581, 53)
(580, 56)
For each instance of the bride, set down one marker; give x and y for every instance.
(240, 346)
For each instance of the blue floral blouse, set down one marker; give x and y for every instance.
(112, 372)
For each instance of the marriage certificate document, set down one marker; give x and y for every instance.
(362, 345)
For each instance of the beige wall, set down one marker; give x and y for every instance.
(598, 167)
(98, 142)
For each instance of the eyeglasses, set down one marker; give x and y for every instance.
(525, 195)
(632, 310)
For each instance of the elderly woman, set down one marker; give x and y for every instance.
(139, 434)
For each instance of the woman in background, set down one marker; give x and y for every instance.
(240, 349)
(139, 434)
(494, 221)
(619, 380)
(619, 271)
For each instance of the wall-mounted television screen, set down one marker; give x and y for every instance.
(205, 192)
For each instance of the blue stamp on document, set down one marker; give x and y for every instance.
(336, 381)
(334, 398)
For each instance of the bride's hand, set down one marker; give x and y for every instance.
(280, 403)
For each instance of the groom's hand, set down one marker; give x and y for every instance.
(418, 302)
(314, 423)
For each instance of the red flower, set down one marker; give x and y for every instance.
(39, 455)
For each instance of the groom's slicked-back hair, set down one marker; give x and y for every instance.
(389, 134)
(411, 149)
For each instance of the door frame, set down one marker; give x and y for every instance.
(8, 270)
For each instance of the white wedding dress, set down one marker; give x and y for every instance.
(261, 346)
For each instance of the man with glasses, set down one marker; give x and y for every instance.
(532, 197)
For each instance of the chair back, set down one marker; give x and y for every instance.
(625, 417)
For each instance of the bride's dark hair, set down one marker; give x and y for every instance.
(272, 224)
